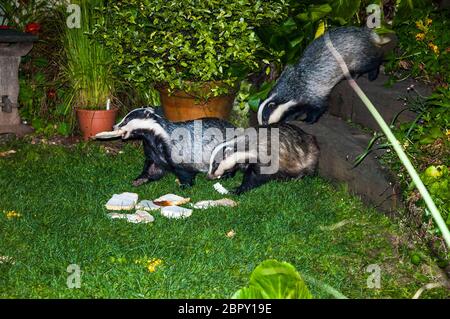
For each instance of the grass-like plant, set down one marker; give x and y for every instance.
(87, 67)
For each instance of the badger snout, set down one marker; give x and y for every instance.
(211, 176)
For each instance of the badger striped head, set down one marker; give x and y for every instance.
(218, 155)
(139, 121)
(274, 109)
(226, 158)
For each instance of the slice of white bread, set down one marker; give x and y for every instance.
(175, 212)
(136, 218)
(111, 134)
(147, 205)
(220, 189)
(171, 200)
(204, 204)
(124, 201)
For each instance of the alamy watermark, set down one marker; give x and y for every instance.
(73, 21)
(74, 277)
(374, 16)
(197, 145)
(374, 279)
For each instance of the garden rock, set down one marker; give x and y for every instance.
(340, 144)
(345, 104)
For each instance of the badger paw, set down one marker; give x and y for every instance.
(238, 191)
(140, 181)
(186, 185)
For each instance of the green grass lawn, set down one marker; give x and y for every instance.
(60, 193)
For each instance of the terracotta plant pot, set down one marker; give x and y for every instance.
(92, 122)
(181, 106)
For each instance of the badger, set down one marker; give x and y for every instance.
(303, 89)
(183, 148)
(277, 151)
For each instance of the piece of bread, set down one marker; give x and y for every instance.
(214, 203)
(147, 205)
(136, 218)
(111, 134)
(124, 201)
(219, 188)
(175, 212)
(171, 200)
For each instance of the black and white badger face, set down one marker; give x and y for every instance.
(225, 159)
(139, 121)
(277, 108)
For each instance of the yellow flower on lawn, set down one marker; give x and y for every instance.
(153, 263)
(428, 21)
(12, 214)
(420, 36)
(433, 47)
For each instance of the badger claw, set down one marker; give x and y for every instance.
(184, 186)
(140, 181)
(238, 191)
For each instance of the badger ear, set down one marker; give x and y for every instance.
(149, 111)
(228, 151)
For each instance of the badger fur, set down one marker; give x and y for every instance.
(304, 88)
(293, 154)
(183, 148)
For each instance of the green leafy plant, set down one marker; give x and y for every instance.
(87, 66)
(17, 14)
(179, 44)
(437, 180)
(274, 280)
(424, 49)
(42, 100)
(305, 19)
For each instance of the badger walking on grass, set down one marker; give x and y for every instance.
(304, 88)
(278, 151)
(183, 148)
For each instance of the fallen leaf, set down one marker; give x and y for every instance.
(231, 234)
(337, 225)
(6, 260)
(7, 153)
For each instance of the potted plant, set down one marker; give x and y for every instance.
(195, 52)
(87, 70)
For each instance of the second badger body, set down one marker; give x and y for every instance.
(277, 151)
(304, 88)
(183, 148)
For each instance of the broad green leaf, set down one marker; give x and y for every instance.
(254, 103)
(315, 13)
(345, 9)
(274, 280)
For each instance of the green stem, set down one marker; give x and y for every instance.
(405, 160)
(327, 288)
